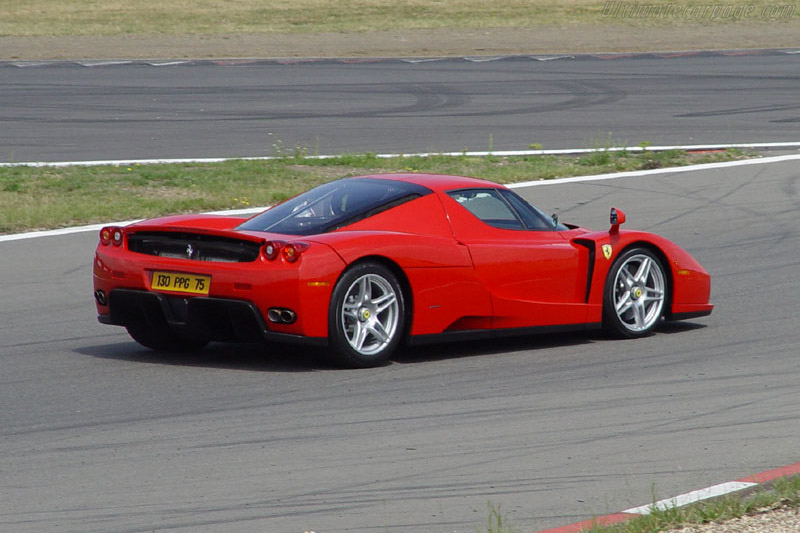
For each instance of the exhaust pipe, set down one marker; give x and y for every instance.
(280, 315)
(100, 297)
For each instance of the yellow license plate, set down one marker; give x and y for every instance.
(180, 282)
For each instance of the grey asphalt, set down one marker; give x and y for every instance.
(65, 112)
(100, 435)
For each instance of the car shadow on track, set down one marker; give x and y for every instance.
(292, 358)
(679, 327)
(532, 342)
(492, 346)
(289, 358)
(248, 357)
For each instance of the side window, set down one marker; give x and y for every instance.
(532, 217)
(488, 206)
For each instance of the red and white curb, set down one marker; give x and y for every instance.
(684, 499)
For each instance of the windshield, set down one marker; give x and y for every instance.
(334, 205)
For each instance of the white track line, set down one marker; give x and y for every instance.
(692, 497)
(507, 153)
(97, 227)
(253, 210)
(655, 171)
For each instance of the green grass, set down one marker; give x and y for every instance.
(784, 493)
(51, 197)
(497, 523)
(182, 17)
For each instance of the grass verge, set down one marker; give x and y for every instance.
(34, 198)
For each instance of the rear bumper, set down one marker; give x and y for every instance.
(213, 319)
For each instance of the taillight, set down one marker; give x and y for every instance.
(111, 235)
(116, 237)
(291, 252)
(272, 249)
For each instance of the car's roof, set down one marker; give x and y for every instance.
(436, 182)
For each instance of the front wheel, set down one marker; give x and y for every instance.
(366, 319)
(635, 294)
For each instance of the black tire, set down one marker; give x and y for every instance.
(163, 338)
(636, 294)
(366, 318)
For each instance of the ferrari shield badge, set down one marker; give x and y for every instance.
(607, 251)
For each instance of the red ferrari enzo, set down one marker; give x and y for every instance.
(363, 264)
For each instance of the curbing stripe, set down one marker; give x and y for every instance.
(691, 497)
(682, 500)
(772, 475)
(606, 520)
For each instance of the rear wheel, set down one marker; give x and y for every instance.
(163, 338)
(366, 319)
(635, 294)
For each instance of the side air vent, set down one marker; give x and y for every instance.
(194, 246)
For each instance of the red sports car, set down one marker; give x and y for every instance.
(363, 264)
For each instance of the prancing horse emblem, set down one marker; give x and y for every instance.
(607, 251)
(189, 251)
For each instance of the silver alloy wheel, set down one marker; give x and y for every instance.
(639, 291)
(370, 314)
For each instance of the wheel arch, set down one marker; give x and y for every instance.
(665, 263)
(405, 284)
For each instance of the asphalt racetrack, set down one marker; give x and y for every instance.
(98, 434)
(108, 111)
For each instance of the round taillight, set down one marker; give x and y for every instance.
(271, 249)
(291, 252)
(105, 236)
(116, 237)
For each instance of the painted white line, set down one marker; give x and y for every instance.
(117, 163)
(167, 63)
(506, 153)
(106, 63)
(62, 231)
(97, 227)
(27, 64)
(422, 59)
(691, 497)
(551, 58)
(597, 177)
(484, 59)
(236, 212)
(667, 170)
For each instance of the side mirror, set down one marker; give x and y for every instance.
(616, 218)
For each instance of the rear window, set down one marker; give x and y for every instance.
(334, 205)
